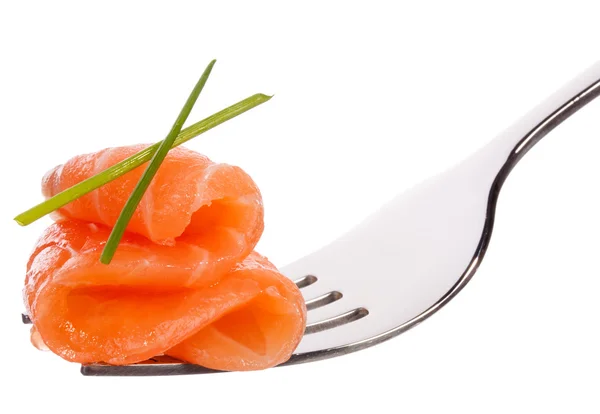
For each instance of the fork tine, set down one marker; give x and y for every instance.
(305, 281)
(336, 321)
(158, 366)
(323, 300)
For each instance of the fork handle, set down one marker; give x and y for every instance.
(500, 156)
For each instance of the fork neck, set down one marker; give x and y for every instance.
(502, 154)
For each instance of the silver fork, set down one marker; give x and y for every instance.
(407, 260)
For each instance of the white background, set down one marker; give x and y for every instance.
(371, 97)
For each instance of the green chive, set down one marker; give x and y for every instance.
(112, 173)
(157, 159)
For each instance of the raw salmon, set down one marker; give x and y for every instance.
(143, 304)
(184, 281)
(190, 194)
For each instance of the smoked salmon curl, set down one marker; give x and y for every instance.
(184, 281)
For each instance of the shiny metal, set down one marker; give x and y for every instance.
(306, 281)
(336, 321)
(519, 138)
(323, 300)
(410, 258)
(157, 366)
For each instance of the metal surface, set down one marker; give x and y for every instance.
(459, 189)
(405, 262)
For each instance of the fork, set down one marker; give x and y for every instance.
(411, 257)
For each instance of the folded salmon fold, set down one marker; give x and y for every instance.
(184, 281)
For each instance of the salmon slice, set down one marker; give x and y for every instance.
(190, 195)
(262, 333)
(147, 302)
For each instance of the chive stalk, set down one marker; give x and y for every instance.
(112, 173)
(157, 159)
